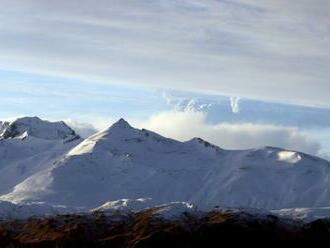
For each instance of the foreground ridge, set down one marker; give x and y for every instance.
(145, 229)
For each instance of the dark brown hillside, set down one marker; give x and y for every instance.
(144, 230)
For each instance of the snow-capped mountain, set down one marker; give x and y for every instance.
(127, 163)
(29, 145)
(35, 127)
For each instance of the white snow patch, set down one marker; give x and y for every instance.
(125, 204)
(167, 210)
(174, 210)
(304, 214)
(289, 157)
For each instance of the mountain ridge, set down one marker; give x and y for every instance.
(123, 162)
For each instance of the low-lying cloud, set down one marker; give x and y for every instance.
(186, 125)
(83, 129)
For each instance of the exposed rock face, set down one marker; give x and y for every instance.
(3, 126)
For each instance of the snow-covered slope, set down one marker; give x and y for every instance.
(10, 210)
(29, 145)
(127, 163)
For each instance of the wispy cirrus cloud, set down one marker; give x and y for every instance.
(274, 50)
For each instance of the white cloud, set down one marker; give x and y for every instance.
(187, 102)
(234, 103)
(271, 50)
(186, 125)
(81, 128)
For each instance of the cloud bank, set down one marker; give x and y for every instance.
(186, 125)
(274, 50)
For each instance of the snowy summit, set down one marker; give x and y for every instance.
(34, 126)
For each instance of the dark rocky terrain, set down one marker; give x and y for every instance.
(144, 229)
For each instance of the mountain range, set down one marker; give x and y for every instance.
(48, 162)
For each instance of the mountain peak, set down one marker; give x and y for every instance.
(121, 123)
(34, 126)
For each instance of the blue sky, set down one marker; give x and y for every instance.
(90, 106)
(185, 61)
(60, 97)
